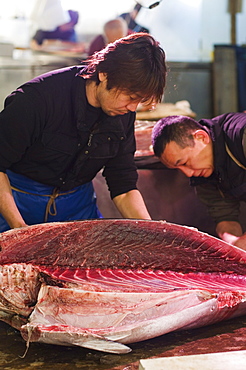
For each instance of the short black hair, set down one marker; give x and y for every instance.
(173, 128)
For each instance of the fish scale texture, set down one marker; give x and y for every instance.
(120, 244)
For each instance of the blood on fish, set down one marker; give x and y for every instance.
(59, 281)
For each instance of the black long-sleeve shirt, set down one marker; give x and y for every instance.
(223, 191)
(50, 133)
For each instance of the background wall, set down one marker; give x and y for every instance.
(187, 29)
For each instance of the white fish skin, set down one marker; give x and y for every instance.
(112, 340)
(77, 317)
(67, 336)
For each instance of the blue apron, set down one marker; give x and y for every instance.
(40, 203)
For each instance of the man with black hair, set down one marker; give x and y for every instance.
(212, 152)
(60, 129)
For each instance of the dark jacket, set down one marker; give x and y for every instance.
(97, 44)
(226, 187)
(45, 134)
(132, 24)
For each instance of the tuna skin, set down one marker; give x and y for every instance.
(102, 283)
(122, 244)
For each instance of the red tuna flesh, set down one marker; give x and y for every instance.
(102, 283)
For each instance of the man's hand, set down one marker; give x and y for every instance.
(241, 242)
(131, 205)
(8, 208)
(231, 232)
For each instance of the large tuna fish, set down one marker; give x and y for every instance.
(102, 284)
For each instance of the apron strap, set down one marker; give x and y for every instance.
(51, 204)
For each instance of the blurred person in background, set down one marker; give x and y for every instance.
(112, 31)
(53, 23)
(130, 19)
(64, 32)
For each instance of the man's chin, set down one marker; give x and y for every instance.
(111, 114)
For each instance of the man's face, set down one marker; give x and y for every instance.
(115, 102)
(192, 161)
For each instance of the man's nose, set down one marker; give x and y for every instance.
(132, 106)
(187, 171)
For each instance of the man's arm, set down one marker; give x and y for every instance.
(231, 231)
(131, 205)
(224, 209)
(8, 208)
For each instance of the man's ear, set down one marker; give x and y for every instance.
(202, 135)
(102, 76)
